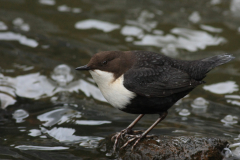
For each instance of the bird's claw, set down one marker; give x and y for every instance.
(117, 136)
(135, 137)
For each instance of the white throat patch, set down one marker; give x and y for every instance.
(114, 91)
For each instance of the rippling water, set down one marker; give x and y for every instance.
(54, 108)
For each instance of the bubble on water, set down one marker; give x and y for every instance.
(19, 115)
(229, 120)
(62, 74)
(200, 103)
(184, 112)
(3, 26)
(194, 17)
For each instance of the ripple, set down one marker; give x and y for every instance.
(96, 24)
(222, 87)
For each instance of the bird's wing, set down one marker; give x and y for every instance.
(158, 82)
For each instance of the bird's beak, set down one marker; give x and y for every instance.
(83, 68)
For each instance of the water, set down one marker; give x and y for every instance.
(60, 113)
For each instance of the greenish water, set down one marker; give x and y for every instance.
(59, 113)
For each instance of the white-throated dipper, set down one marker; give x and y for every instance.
(142, 82)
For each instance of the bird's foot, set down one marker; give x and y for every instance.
(119, 135)
(135, 138)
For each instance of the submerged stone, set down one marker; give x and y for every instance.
(167, 147)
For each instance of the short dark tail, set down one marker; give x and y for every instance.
(218, 60)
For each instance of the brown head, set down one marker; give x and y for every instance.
(116, 62)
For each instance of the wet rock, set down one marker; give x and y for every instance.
(167, 147)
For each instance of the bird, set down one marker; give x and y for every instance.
(144, 82)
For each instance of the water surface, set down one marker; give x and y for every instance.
(60, 113)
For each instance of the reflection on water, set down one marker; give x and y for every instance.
(48, 2)
(38, 86)
(58, 116)
(66, 135)
(188, 39)
(30, 147)
(34, 132)
(19, 23)
(144, 21)
(3, 26)
(91, 122)
(233, 99)
(96, 24)
(235, 7)
(11, 36)
(222, 87)
(65, 8)
(211, 29)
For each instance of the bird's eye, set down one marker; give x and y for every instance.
(104, 62)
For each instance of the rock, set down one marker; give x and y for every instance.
(167, 147)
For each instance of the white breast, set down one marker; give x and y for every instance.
(114, 91)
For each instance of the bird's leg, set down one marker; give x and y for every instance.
(139, 137)
(126, 130)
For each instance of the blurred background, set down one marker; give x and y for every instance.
(50, 111)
